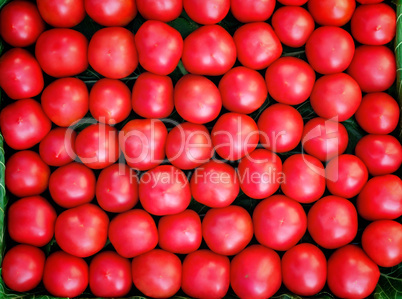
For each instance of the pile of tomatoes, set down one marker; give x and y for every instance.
(108, 172)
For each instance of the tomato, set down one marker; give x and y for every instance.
(260, 173)
(58, 147)
(205, 274)
(180, 233)
(304, 178)
(215, 184)
(374, 24)
(378, 113)
(373, 67)
(112, 52)
(382, 154)
(351, 273)
(228, 230)
(26, 174)
(333, 12)
(206, 12)
(62, 52)
(20, 74)
(164, 190)
(209, 50)
(381, 198)
(65, 275)
(251, 10)
(20, 23)
(142, 142)
(109, 275)
(110, 101)
(243, 90)
(159, 47)
(293, 25)
(164, 11)
(290, 80)
(72, 185)
(189, 145)
(31, 220)
(281, 128)
(157, 273)
(234, 136)
(293, 2)
(65, 101)
(257, 45)
(22, 267)
(132, 233)
(153, 96)
(24, 124)
(324, 139)
(382, 242)
(111, 13)
(197, 91)
(62, 13)
(369, 1)
(117, 188)
(255, 272)
(346, 176)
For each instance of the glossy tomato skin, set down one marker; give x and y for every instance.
(31, 220)
(22, 267)
(206, 12)
(157, 273)
(293, 2)
(111, 13)
(351, 273)
(369, 1)
(26, 174)
(252, 11)
(58, 147)
(164, 11)
(206, 42)
(333, 12)
(61, 13)
(205, 274)
(20, 74)
(109, 275)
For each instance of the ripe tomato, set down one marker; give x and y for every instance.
(157, 273)
(62, 13)
(257, 45)
(209, 50)
(369, 1)
(293, 2)
(111, 13)
(290, 80)
(252, 10)
(206, 12)
(205, 274)
(58, 147)
(332, 12)
(164, 11)
(26, 174)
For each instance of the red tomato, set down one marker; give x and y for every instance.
(110, 12)
(24, 124)
(346, 176)
(133, 232)
(62, 52)
(293, 25)
(205, 274)
(209, 50)
(381, 198)
(112, 52)
(26, 174)
(20, 23)
(378, 113)
(189, 145)
(110, 101)
(215, 184)
(31, 220)
(72, 185)
(324, 139)
(374, 24)
(290, 80)
(22, 267)
(109, 275)
(165, 11)
(65, 275)
(351, 273)
(20, 74)
(304, 269)
(62, 13)
(117, 188)
(332, 12)
(293, 2)
(257, 45)
(382, 242)
(243, 90)
(153, 96)
(281, 128)
(58, 147)
(197, 91)
(157, 273)
(252, 10)
(180, 233)
(304, 178)
(373, 67)
(206, 12)
(369, 1)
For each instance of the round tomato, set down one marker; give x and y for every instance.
(62, 13)
(164, 11)
(206, 12)
(252, 10)
(331, 12)
(369, 1)
(58, 147)
(293, 2)
(110, 12)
